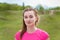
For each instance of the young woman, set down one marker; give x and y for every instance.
(29, 30)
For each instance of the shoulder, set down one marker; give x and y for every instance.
(42, 31)
(17, 34)
(43, 34)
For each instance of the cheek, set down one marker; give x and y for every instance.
(25, 20)
(33, 20)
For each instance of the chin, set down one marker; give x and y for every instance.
(30, 24)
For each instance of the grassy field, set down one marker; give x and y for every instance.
(11, 22)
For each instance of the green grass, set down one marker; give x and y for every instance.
(51, 23)
(11, 22)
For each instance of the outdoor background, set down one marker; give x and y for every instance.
(11, 19)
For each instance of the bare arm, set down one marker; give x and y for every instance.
(48, 39)
(15, 39)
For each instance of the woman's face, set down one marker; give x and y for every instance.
(29, 18)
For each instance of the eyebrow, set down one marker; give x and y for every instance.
(29, 15)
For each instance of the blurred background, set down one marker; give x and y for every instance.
(11, 17)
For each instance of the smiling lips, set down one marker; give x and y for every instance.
(29, 22)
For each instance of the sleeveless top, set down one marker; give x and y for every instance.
(37, 35)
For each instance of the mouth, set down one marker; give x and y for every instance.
(29, 22)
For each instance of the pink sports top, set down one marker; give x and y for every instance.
(37, 35)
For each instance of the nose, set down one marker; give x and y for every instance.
(28, 19)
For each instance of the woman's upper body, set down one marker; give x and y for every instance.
(29, 30)
(37, 35)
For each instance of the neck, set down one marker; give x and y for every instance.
(31, 29)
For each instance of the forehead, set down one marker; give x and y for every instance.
(29, 13)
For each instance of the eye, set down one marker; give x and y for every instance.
(31, 16)
(25, 17)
